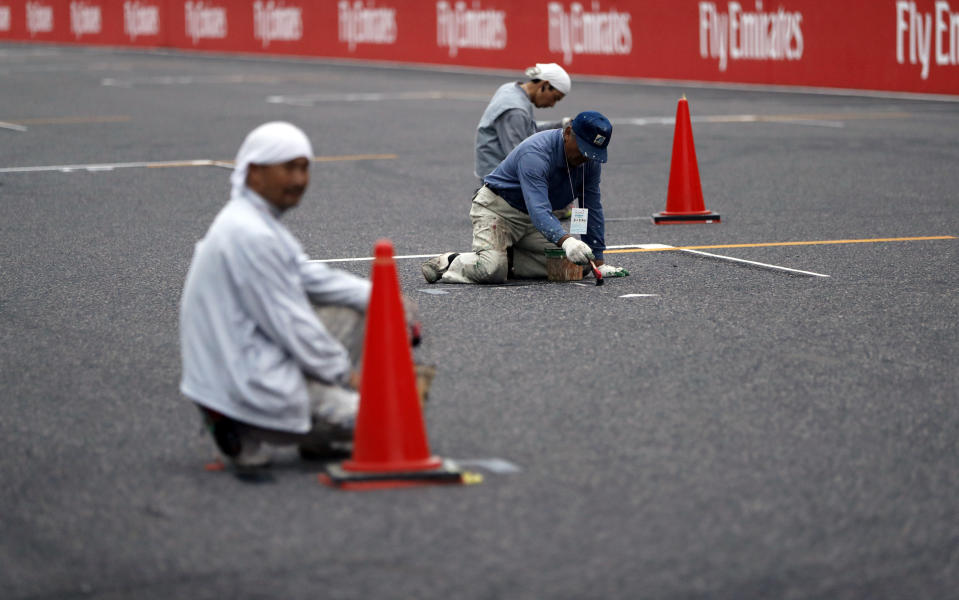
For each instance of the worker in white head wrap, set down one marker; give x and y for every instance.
(271, 143)
(508, 118)
(257, 359)
(556, 75)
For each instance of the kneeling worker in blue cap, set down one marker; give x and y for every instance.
(512, 213)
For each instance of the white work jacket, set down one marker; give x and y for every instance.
(248, 333)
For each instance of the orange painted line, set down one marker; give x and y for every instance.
(772, 244)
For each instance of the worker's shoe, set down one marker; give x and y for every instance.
(242, 450)
(434, 268)
(253, 454)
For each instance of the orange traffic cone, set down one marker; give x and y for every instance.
(684, 198)
(389, 442)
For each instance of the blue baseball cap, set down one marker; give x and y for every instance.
(592, 131)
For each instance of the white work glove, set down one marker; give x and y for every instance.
(577, 251)
(611, 271)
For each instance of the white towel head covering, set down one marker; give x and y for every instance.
(269, 144)
(553, 73)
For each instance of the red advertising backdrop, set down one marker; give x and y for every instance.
(891, 45)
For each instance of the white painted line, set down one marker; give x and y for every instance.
(311, 99)
(12, 126)
(813, 122)
(641, 247)
(111, 166)
(493, 465)
(434, 292)
(401, 257)
(751, 262)
(174, 163)
(183, 80)
(822, 120)
(369, 258)
(719, 256)
(111, 82)
(644, 121)
(625, 246)
(639, 296)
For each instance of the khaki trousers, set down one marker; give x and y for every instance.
(497, 226)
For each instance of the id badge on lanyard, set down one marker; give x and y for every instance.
(577, 223)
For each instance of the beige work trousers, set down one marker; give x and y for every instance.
(497, 226)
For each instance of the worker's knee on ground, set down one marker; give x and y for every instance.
(492, 266)
(485, 266)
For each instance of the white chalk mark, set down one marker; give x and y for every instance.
(434, 292)
(493, 465)
(639, 296)
(12, 126)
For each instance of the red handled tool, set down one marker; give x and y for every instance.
(599, 276)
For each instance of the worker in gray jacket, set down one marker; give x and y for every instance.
(257, 359)
(508, 118)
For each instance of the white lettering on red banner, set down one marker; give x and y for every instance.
(140, 19)
(204, 21)
(39, 18)
(741, 35)
(272, 21)
(920, 29)
(84, 19)
(4, 18)
(362, 25)
(459, 27)
(588, 32)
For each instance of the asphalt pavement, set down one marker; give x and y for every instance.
(703, 428)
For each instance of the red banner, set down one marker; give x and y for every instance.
(891, 45)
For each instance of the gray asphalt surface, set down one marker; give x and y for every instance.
(741, 433)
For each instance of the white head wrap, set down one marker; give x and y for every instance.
(553, 73)
(269, 144)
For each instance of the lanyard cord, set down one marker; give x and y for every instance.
(582, 198)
